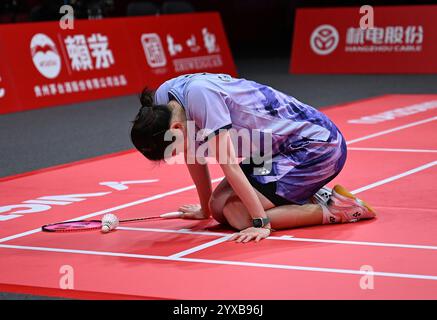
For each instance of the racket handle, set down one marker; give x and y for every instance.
(172, 215)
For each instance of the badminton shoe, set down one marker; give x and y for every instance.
(345, 207)
(322, 196)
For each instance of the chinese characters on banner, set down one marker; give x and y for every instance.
(84, 53)
(47, 66)
(388, 39)
(403, 40)
(178, 50)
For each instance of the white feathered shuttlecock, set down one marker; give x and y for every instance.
(109, 222)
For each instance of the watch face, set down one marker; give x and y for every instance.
(257, 223)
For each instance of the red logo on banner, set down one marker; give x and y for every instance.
(403, 40)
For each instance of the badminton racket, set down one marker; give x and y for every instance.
(88, 225)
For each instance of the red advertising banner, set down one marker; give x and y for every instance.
(44, 65)
(50, 66)
(7, 93)
(195, 45)
(403, 40)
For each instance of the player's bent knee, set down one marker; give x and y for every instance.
(216, 208)
(236, 214)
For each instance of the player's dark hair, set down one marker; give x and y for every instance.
(149, 127)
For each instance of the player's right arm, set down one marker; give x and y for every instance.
(202, 180)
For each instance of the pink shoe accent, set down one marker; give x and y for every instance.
(347, 207)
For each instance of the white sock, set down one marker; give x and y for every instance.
(328, 217)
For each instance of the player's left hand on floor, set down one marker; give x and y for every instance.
(251, 233)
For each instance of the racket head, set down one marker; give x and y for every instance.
(70, 226)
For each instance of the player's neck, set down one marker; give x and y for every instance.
(178, 112)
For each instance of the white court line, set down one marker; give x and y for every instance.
(200, 247)
(227, 262)
(396, 177)
(181, 231)
(393, 150)
(123, 206)
(285, 238)
(377, 134)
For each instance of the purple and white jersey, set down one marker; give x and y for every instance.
(215, 101)
(300, 133)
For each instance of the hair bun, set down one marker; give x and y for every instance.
(146, 98)
(147, 114)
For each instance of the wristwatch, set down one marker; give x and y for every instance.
(260, 222)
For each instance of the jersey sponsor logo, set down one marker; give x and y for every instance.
(225, 77)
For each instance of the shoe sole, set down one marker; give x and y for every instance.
(343, 192)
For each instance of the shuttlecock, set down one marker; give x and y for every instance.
(109, 222)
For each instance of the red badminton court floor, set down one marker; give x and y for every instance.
(391, 164)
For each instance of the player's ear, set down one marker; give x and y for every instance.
(177, 125)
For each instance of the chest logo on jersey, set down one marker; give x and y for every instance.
(225, 77)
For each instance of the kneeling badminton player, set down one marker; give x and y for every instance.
(295, 150)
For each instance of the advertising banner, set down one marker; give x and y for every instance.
(179, 46)
(44, 65)
(403, 39)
